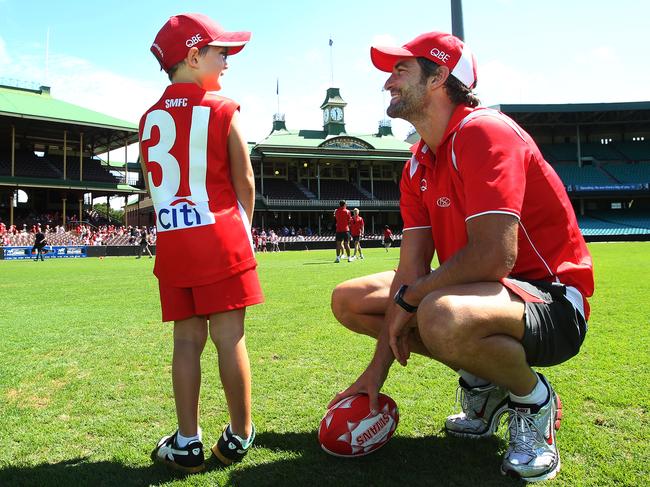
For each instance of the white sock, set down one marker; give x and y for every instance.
(538, 395)
(182, 441)
(244, 443)
(471, 379)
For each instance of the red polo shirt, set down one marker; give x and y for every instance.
(342, 217)
(356, 226)
(484, 164)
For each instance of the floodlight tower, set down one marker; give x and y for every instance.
(457, 19)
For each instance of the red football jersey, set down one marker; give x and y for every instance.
(486, 163)
(356, 226)
(203, 233)
(342, 216)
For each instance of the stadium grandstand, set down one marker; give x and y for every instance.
(601, 151)
(50, 151)
(50, 171)
(301, 175)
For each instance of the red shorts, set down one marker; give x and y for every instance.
(235, 292)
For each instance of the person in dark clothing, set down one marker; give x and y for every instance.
(39, 244)
(144, 244)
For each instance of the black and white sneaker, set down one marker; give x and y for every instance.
(229, 448)
(188, 459)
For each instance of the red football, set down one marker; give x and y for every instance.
(349, 429)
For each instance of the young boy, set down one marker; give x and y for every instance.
(200, 179)
(356, 230)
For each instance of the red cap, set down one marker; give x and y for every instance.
(184, 31)
(443, 49)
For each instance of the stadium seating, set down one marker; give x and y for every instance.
(27, 165)
(92, 169)
(614, 223)
(383, 190)
(336, 189)
(571, 174)
(634, 150)
(279, 188)
(630, 173)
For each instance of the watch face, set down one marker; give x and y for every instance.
(337, 114)
(326, 115)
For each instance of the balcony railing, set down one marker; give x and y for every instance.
(328, 203)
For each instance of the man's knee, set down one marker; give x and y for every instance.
(444, 326)
(341, 302)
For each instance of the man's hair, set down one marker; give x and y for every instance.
(456, 91)
(172, 71)
(342, 203)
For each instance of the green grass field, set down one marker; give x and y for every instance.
(85, 387)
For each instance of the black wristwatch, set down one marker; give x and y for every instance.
(409, 308)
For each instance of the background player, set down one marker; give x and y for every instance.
(356, 231)
(388, 237)
(200, 178)
(342, 217)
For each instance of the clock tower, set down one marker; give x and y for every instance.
(333, 112)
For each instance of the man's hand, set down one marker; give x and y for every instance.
(369, 382)
(399, 332)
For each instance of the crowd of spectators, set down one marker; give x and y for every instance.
(265, 239)
(76, 233)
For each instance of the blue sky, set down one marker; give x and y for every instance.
(528, 51)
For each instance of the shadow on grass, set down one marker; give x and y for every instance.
(82, 472)
(428, 460)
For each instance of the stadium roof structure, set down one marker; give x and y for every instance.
(317, 144)
(36, 114)
(625, 117)
(32, 118)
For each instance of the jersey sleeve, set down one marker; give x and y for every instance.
(414, 212)
(492, 158)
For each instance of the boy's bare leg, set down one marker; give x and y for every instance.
(227, 333)
(190, 336)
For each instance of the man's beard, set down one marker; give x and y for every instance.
(409, 106)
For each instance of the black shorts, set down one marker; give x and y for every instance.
(388, 240)
(355, 239)
(342, 236)
(554, 329)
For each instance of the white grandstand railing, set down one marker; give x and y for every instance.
(334, 203)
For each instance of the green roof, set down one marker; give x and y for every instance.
(314, 138)
(39, 105)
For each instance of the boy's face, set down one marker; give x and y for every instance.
(211, 67)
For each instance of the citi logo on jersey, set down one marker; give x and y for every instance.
(443, 202)
(183, 213)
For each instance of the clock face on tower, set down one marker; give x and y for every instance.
(326, 115)
(337, 114)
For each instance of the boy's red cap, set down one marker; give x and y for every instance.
(184, 31)
(443, 49)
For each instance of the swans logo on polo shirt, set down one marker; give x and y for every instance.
(423, 185)
(183, 213)
(443, 202)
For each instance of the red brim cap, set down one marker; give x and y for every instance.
(234, 41)
(384, 58)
